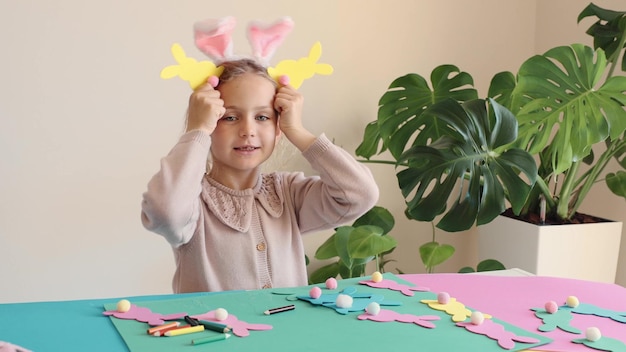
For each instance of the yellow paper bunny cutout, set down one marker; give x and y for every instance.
(190, 70)
(196, 73)
(302, 69)
(454, 308)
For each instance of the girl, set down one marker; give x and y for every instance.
(232, 227)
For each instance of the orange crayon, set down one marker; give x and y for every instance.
(162, 332)
(154, 329)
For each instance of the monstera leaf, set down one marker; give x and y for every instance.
(467, 166)
(401, 107)
(607, 31)
(568, 113)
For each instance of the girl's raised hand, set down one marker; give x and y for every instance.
(288, 102)
(205, 107)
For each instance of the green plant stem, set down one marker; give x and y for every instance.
(389, 162)
(377, 263)
(562, 210)
(432, 225)
(543, 186)
(593, 173)
(431, 268)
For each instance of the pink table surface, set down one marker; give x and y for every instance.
(510, 298)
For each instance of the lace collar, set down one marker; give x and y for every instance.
(234, 207)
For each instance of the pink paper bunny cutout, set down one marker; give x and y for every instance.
(395, 286)
(238, 327)
(494, 331)
(9, 347)
(144, 315)
(389, 315)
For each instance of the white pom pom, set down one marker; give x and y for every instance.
(477, 318)
(377, 277)
(373, 308)
(572, 301)
(593, 334)
(123, 306)
(344, 301)
(221, 314)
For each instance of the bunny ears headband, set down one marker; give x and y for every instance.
(214, 39)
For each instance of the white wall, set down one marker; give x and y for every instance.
(85, 118)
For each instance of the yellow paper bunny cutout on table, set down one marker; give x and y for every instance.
(454, 308)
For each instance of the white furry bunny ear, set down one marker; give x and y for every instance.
(214, 37)
(266, 39)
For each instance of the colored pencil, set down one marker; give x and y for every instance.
(210, 339)
(280, 309)
(154, 329)
(211, 325)
(184, 331)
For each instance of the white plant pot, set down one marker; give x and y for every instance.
(581, 251)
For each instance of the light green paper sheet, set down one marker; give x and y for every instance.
(314, 328)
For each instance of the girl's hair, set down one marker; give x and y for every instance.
(236, 68)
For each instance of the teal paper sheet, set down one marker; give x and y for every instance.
(312, 327)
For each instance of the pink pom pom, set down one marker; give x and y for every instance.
(331, 283)
(551, 307)
(213, 81)
(315, 292)
(284, 80)
(443, 297)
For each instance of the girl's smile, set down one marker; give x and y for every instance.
(247, 133)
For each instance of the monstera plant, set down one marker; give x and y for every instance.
(537, 144)
(353, 247)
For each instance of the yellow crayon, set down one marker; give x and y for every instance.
(183, 331)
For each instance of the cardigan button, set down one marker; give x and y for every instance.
(260, 247)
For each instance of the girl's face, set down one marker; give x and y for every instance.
(247, 133)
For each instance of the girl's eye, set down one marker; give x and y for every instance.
(263, 118)
(229, 118)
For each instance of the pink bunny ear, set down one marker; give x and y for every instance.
(214, 37)
(266, 39)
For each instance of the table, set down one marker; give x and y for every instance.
(66, 326)
(80, 326)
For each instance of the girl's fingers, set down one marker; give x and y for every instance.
(283, 80)
(213, 81)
